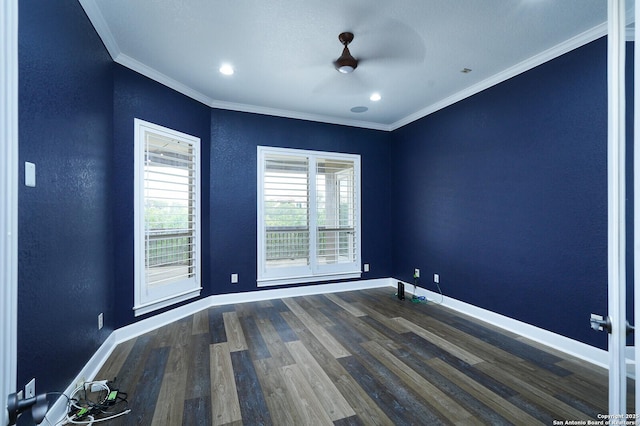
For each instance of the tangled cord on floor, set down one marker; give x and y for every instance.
(423, 299)
(94, 402)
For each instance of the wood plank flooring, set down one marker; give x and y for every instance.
(352, 358)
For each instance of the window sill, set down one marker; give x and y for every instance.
(271, 282)
(146, 308)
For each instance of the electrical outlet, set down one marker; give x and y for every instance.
(100, 320)
(81, 381)
(30, 389)
(366, 267)
(436, 278)
(416, 273)
(234, 278)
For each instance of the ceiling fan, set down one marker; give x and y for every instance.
(346, 63)
(382, 51)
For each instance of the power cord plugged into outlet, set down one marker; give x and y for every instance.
(96, 386)
(96, 401)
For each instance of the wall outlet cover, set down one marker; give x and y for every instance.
(30, 389)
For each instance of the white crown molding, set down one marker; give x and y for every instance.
(97, 19)
(100, 24)
(161, 78)
(552, 53)
(532, 62)
(298, 115)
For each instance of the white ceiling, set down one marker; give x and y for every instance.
(411, 51)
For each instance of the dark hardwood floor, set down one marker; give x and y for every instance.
(353, 358)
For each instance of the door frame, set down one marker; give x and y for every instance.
(636, 199)
(616, 40)
(616, 201)
(8, 193)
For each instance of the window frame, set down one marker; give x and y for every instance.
(146, 298)
(315, 271)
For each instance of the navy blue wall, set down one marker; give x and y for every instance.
(504, 195)
(229, 153)
(65, 269)
(234, 140)
(136, 96)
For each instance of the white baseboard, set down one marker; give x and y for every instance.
(58, 410)
(141, 327)
(564, 344)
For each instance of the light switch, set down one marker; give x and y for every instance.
(234, 278)
(29, 174)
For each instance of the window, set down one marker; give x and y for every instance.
(308, 216)
(167, 217)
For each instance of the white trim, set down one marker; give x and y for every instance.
(136, 329)
(100, 24)
(270, 282)
(145, 308)
(59, 409)
(530, 63)
(93, 12)
(526, 65)
(313, 271)
(616, 47)
(563, 344)
(163, 79)
(636, 202)
(9, 206)
(150, 298)
(91, 369)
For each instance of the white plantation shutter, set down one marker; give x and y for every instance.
(308, 216)
(336, 212)
(170, 210)
(167, 217)
(286, 210)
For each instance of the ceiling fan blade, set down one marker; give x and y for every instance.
(392, 43)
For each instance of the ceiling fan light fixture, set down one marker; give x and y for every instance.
(345, 69)
(346, 63)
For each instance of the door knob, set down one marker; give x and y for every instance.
(600, 323)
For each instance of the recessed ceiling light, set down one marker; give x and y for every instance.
(226, 69)
(359, 109)
(375, 97)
